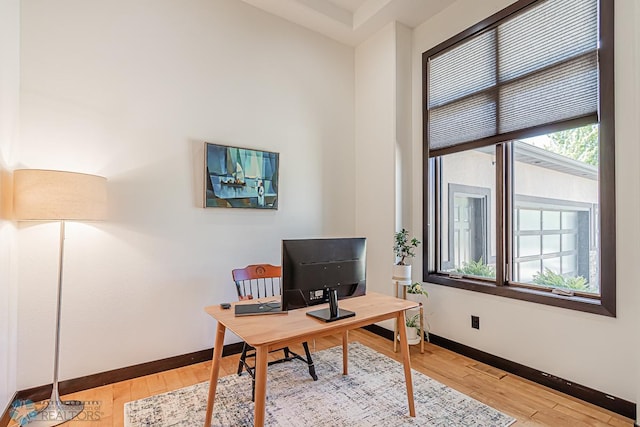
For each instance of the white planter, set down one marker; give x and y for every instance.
(412, 333)
(419, 298)
(401, 272)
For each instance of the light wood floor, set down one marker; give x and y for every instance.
(529, 403)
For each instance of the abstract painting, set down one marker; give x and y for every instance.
(240, 177)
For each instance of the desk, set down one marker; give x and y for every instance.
(270, 332)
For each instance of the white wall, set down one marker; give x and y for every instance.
(383, 144)
(130, 91)
(592, 350)
(635, 55)
(9, 102)
(375, 138)
(404, 141)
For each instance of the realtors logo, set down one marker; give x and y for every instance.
(25, 411)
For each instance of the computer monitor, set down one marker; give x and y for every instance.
(316, 271)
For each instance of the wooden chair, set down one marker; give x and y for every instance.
(259, 281)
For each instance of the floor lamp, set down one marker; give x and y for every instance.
(45, 195)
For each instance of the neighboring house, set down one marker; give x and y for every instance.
(553, 227)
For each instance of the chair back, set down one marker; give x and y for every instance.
(257, 281)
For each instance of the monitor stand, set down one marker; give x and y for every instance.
(332, 313)
(325, 314)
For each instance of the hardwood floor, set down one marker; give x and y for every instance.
(529, 403)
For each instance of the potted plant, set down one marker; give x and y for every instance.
(413, 327)
(403, 249)
(417, 289)
(416, 292)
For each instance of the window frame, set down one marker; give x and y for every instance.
(605, 303)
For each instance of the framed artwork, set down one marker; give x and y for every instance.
(240, 177)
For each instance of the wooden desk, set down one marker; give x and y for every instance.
(270, 332)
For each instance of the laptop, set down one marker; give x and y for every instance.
(272, 307)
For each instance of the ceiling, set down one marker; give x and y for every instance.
(352, 21)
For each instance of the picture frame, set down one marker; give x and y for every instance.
(237, 177)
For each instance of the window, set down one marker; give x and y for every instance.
(469, 220)
(469, 226)
(551, 239)
(519, 156)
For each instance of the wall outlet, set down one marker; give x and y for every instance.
(475, 322)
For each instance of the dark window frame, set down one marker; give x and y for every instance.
(606, 303)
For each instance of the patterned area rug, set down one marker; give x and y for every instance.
(373, 394)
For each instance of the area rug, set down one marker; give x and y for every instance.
(373, 394)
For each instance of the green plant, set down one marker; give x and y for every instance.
(580, 144)
(477, 268)
(413, 321)
(416, 288)
(403, 247)
(549, 278)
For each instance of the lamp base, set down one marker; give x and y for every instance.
(56, 413)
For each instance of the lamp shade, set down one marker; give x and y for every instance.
(57, 195)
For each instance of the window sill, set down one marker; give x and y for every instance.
(577, 303)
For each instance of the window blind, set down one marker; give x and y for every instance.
(537, 67)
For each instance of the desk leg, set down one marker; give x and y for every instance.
(215, 370)
(395, 326)
(404, 349)
(261, 385)
(345, 353)
(421, 328)
(395, 336)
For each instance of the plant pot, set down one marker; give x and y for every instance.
(401, 272)
(419, 298)
(412, 333)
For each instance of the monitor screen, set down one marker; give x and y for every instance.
(311, 267)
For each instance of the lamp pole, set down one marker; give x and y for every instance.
(57, 412)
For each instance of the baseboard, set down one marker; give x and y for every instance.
(380, 331)
(598, 398)
(97, 380)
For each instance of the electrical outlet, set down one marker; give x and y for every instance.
(475, 322)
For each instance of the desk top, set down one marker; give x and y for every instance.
(296, 325)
